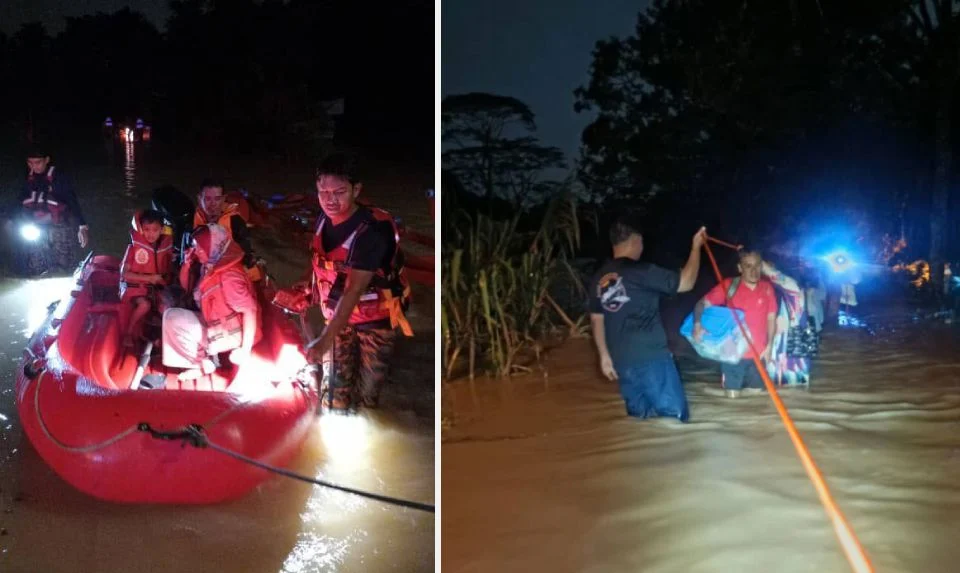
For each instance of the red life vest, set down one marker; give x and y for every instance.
(43, 203)
(224, 325)
(388, 294)
(143, 258)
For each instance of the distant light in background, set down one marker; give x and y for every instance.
(919, 270)
(840, 261)
(129, 165)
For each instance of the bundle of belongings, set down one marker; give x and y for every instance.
(722, 340)
(796, 341)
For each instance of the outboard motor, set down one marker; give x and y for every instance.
(177, 209)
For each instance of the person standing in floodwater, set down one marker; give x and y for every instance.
(360, 285)
(627, 329)
(50, 199)
(756, 297)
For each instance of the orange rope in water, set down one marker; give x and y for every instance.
(854, 552)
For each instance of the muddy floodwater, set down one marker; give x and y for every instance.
(548, 474)
(283, 526)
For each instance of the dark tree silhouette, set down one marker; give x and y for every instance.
(492, 150)
(778, 108)
(239, 76)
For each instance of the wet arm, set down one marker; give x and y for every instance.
(69, 198)
(688, 275)
(702, 304)
(599, 336)
(357, 283)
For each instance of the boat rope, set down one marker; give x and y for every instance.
(195, 436)
(68, 447)
(852, 549)
(110, 441)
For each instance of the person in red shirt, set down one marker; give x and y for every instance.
(757, 299)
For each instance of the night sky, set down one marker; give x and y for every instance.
(13, 13)
(538, 51)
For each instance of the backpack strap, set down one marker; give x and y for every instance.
(732, 289)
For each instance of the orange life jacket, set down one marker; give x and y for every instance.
(229, 210)
(143, 258)
(43, 203)
(224, 325)
(387, 296)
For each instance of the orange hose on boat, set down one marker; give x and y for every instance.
(854, 552)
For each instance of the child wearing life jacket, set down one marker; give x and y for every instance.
(146, 269)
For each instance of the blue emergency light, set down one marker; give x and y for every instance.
(839, 261)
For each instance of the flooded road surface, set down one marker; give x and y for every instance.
(548, 474)
(284, 526)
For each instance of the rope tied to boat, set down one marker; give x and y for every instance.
(39, 372)
(195, 436)
(71, 448)
(191, 435)
(853, 551)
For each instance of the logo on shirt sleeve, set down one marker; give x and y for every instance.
(611, 292)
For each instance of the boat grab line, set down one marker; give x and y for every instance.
(195, 436)
(68, 447)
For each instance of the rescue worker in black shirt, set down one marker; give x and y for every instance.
(627, 329)
(359, 283)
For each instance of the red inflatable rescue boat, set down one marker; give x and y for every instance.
(84, 409)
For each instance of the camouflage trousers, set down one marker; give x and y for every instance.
(361, 360)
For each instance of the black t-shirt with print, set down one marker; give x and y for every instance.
(628, 293)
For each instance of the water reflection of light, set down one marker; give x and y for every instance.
(36, 296)
(315, 552)
(345, 438)
(129, 167)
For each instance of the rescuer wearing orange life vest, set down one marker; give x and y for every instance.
(359, 283)
(213, 207)
(146, 269)
(229, 317)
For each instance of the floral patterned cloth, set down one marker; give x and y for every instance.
(784, 369)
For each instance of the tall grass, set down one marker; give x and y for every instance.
(496, 279)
